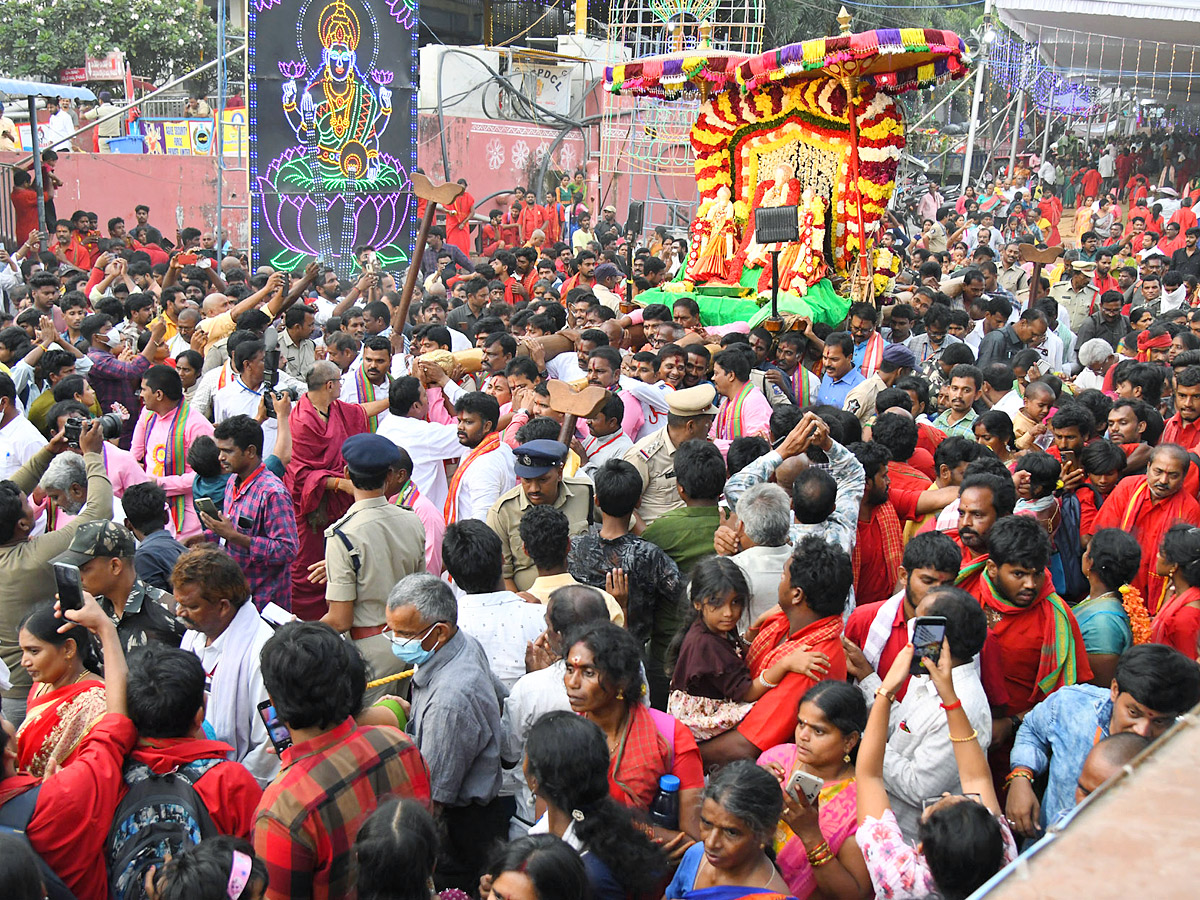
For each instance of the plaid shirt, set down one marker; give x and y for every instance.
(311, 813)
(115, 381)
(262, 508)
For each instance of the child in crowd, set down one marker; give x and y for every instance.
(994, 429)
(711, 686)
(217, 868)
(1103, 462)
(1029, 424)
(204, 460)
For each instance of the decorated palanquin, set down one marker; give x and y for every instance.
(813, 126)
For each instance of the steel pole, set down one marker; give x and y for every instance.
(975, 97)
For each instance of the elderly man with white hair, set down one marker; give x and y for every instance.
(65, 484)
(765, 514)
(1096, 356)
(455, 722)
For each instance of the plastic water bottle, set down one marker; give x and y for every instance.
(664, 810)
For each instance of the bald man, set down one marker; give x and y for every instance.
(1106, 760)
(1146, 506)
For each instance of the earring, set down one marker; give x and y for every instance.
(846, 758)
(620, 695)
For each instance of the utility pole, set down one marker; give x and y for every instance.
(985, 38)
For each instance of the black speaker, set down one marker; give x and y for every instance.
(776, 225)
(637, 216)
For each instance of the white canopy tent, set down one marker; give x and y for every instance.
(1147, 49)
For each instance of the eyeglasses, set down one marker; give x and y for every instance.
(400, 639)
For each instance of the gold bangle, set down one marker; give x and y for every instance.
(880, 692)
(963, 740)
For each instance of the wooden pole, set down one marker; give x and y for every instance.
(432, 194)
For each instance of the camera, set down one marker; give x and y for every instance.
(72, 430)
(111, 425)
(110, 428)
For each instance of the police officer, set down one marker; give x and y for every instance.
(539, 469)
(690, 415)
(1078, 293)
(369, 549)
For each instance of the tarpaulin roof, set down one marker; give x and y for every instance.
(1147, 47)
(17, 88)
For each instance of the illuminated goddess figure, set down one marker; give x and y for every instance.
(342, 130)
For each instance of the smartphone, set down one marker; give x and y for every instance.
(928, 632)
(280, 737)
(206, 506)
(803, 783)
(186, 259)
(1068, 458)
(70, 586)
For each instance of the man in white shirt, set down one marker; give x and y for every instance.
(227, 633)
(542, 691)
(19, 439)
(244, 393)
(1047, 172)
(765, 513)
(486, 470)
(919, 762)
(503, 623)
(428, 443)
(57, 132)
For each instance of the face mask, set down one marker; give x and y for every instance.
(114, 337)
(411, 651)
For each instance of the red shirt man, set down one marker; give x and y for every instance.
(880, 630)
(1146, 506)
(812, 595)
(1036, 633)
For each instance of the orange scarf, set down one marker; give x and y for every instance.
(487, 445)
(775, 641)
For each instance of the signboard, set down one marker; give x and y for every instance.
(550, 86)
(104, 68)
(332, 109)
(195, 137)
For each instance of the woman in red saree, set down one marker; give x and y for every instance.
(320, 425)
(604, 683)
(458, 220)
(1177, 623)
(67, 697)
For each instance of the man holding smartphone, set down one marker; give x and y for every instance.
(919, 763)
(25, 560)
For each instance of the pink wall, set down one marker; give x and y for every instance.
(176, 188)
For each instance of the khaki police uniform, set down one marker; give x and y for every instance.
(368, 550)
(654, 455)
(1077, 303)
(775, 396)
(576, 497)
(654, 458)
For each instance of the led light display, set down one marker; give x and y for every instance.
(332, 131)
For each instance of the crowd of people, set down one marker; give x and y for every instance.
(368, 605)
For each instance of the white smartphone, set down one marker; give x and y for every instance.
(803, 783)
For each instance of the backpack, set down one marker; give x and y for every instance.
(159, 815)
(14, 819)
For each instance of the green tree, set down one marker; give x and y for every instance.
(160, 38)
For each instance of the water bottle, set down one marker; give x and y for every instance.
(664, 810)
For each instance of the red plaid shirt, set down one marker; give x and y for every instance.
(262, 508)
(311, 813)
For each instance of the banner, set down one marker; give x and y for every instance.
(332, 137)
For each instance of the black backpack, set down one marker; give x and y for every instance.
(14, 820)
(160, 814)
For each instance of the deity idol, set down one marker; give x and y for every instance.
(341, 129)
(716, 231)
